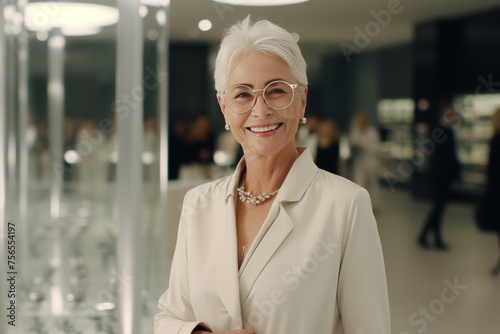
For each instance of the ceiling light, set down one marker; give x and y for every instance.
(260, 2)
(80, 31)
(205, 25)
(43, 16)
(156, 3)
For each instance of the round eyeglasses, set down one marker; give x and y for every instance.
(278, 95)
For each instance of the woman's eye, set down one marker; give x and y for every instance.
(276, 91)
(243, 95)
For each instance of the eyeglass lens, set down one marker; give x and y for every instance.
(277, 95)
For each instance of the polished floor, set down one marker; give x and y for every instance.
(431, 291)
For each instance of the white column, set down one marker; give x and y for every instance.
(23, 93)
(55, 92)
(129, 113)
(56, 117)
(11, 105)
(3, 158)
(162, 51)
(10, 98)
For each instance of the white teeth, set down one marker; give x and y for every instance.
(265, 129)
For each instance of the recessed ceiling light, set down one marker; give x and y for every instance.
(156, 3)
(205, 25)
(260, 2)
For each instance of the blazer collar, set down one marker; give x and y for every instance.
(296, 182)
(299, 177)
(226, 267)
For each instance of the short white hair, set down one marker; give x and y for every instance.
(261, 36)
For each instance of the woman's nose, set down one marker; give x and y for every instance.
(260, 108)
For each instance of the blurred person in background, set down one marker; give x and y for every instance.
(444, 170)
(493, 184)
(328, 150)
(151, 150)
(365, 149)
(42, 151)
(178, 153)
(307, 135)
(247, 243)
(93, 167)
(200, 150)
(202, 140)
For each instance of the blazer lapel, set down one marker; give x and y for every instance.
(279, 225)
(226, 262)
(275, 230)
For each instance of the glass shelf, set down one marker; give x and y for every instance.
(473, 133)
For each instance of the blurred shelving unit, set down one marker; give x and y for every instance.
(395, 118)
(473, 133)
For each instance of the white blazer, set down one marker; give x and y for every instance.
(316, 265)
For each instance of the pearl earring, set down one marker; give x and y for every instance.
(303, 120)
(226, 127)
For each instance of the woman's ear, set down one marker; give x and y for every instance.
(222, 105)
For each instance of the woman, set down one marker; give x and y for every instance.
(493, 185)
(303, 257)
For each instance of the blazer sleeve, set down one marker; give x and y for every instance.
(362, 286)
(176, 315)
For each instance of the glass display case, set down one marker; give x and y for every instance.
(473, 132)
(71, 265)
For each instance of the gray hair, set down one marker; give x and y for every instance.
(261, 36)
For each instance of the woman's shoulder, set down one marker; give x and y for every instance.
(336, 184)
(337, 195)
(209, 190)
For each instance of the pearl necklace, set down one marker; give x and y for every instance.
(247, 197)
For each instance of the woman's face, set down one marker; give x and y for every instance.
(263, 130)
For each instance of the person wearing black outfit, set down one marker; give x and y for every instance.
(178, 150)
(444, 169)
(328, 149)
(493, 184)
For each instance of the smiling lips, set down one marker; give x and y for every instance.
(265, 128)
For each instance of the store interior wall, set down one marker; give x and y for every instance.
(350, 88)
